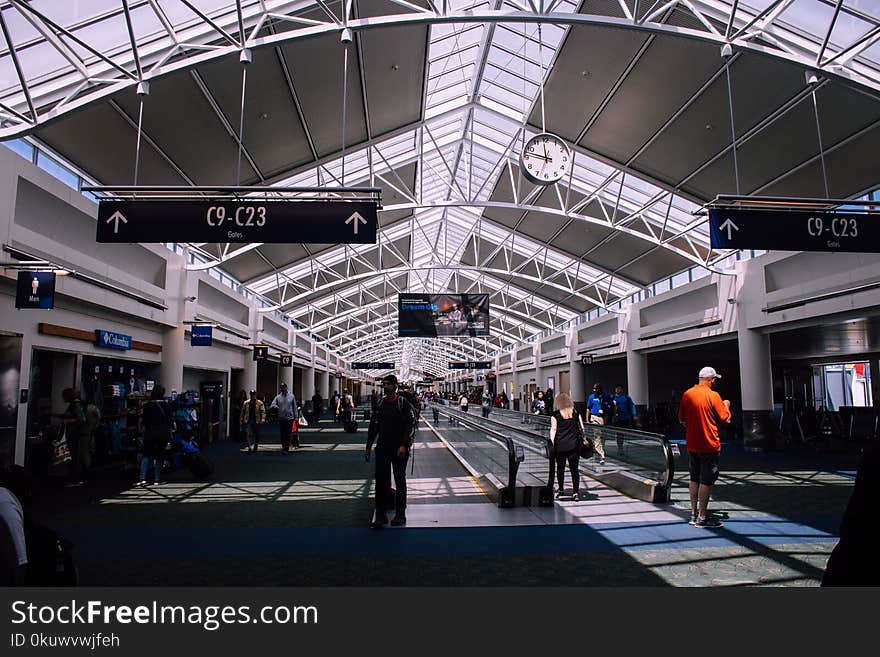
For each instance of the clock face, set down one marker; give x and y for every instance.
(545, 159)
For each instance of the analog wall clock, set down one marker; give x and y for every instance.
(545, 159)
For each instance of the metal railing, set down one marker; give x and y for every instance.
(638, 463)
(514, 461)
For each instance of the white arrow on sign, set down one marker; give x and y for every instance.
(356, 217)
(729, 226)
(117, 217)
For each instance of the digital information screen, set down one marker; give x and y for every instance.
(442, 315)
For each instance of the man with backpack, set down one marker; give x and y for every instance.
(391, 427)
(345, 407)
(600, 409)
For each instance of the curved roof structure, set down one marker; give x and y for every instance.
(432, 101)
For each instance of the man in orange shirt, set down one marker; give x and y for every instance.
(701, 411)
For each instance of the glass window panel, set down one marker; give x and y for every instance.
(512, 101)
(512, 60)
(40, 59)
(441, 96)
(681, 278)
(58, 170)
(661, 286)
(494, 76)
(21, 147)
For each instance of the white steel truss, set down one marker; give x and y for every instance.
(485, 66)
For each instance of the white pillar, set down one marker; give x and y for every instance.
(756, 387)
(325, 384)
(308, 384)
(286, 376)
(249, 380)
(637, 377)
(578, 387)
(756, 378)
(171, 370)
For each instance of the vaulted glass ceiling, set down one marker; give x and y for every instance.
(457, 216)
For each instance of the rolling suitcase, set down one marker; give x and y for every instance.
(351, 426)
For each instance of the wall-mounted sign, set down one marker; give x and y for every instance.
(261, 352)
(112, 340)
(338, 375)
(471, 365)
(286, 360)
(586, 359)
(227, 220)
(35, 289)
(202, 335)
(372, 366)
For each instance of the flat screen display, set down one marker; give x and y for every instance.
(36, 289)
(442, 315)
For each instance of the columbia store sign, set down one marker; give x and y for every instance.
(112, 340)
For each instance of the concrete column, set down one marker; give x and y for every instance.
(324, 384)
(308, 384)
(756, 378)
(286, 376)
(756, 388)
(171, 370)
(249, 380)
(637, 378)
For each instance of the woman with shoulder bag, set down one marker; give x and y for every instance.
(156, 426)
(567, 436)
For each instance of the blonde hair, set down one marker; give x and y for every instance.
(563, 401)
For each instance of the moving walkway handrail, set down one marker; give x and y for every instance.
(536, 444)
(666, 477)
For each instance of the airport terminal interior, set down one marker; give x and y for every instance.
(501, 203)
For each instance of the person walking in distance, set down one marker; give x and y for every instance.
(701, 411)
(624, 414)
(156, 426)
(253, 415)
(345, 407)
(285, 404)
(600, 409)
(317, 407)
(486, 403)
(391, 429)
(566, 434)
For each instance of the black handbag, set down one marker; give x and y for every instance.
(586, 449)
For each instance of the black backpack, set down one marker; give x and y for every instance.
(607, 404)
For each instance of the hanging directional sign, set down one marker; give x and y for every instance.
(225, 220)
(286, 360)
(372, 366)
(261, 352)
(471, 365)
(794, 230)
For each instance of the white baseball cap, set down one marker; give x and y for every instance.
(709, 373)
